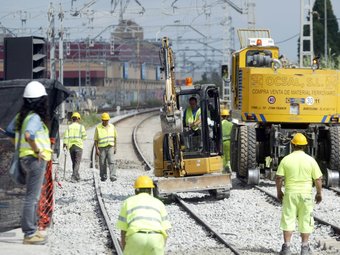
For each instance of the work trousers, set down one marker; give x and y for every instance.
(106, 159)
(76, 154)
(226, 154)
(34, 170)
(144, 244)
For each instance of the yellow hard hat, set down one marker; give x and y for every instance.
(299, 139)
(225, 112)
(143, 182)
(76, 115)
(105, 116)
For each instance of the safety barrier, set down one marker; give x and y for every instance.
(46, 202)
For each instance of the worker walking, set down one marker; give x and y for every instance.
(298, 170)
(30, 126)
(105, 139)
(143, 221)
(226, 130)
(74, 136)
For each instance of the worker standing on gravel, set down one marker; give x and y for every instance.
(298, 170)
(143, 221)
(30, 126)
(226, 130)
(74, 136)
(105, 139)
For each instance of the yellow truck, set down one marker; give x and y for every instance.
(271, 101)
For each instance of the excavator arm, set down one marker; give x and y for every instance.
(171, 115)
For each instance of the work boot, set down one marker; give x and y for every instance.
(36, 239)
(306, 250)
(113, 178)
(285, 250)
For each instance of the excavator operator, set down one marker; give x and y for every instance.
(192, 124)
(192, 115)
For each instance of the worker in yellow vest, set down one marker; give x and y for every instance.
(143, 221)
(105, 139)
(29, 128)
(74, 136)
(226, 130)
(192, 115)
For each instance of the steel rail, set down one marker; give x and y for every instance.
(204, 224)
(136, 146)
(336, 229)
(117, 247)
(182, 204)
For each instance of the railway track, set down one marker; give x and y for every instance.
(224, 238)
(116, 246)
(335, 228)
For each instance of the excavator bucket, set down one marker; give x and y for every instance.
(171, 124)
(218, 185)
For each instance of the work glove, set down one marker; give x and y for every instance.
(318, 198)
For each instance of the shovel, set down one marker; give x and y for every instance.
(65, 153)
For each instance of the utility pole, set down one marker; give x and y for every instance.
(306, 21)
(326, 32)
(51, 37)
(61, 56)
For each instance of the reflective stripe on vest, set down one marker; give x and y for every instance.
(42, 141)
(106, 135)
(190, 118)
(74, 136)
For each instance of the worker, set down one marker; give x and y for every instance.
(192, 115)
(74, 136)
(226, 130)
(298, 170)
(105, 139)
(143, 221)
(30, 126)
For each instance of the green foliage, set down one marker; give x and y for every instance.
(333, 34)
(90, 120)
(213, 78)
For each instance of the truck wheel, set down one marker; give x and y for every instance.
(242, 149)
(247, 151)
(233, 152)
(334, 143)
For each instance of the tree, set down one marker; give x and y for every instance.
(333, 35)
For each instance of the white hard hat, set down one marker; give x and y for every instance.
(34, 89)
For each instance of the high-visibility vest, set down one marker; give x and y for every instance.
(143, 212)
(190, 118)
(42, 141)
(226, 129)
(106, 135)
(74, 135)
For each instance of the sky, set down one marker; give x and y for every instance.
(190, 24)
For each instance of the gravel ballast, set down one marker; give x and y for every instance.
(248, 219)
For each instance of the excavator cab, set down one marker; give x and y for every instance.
(204, 138)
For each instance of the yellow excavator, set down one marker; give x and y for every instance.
(188, 157)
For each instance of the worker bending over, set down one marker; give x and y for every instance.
(143, 221)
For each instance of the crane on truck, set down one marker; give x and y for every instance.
(187, 159)
(272, 101)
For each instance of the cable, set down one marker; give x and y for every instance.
(286, 40)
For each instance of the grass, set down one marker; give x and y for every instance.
(90, 120)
